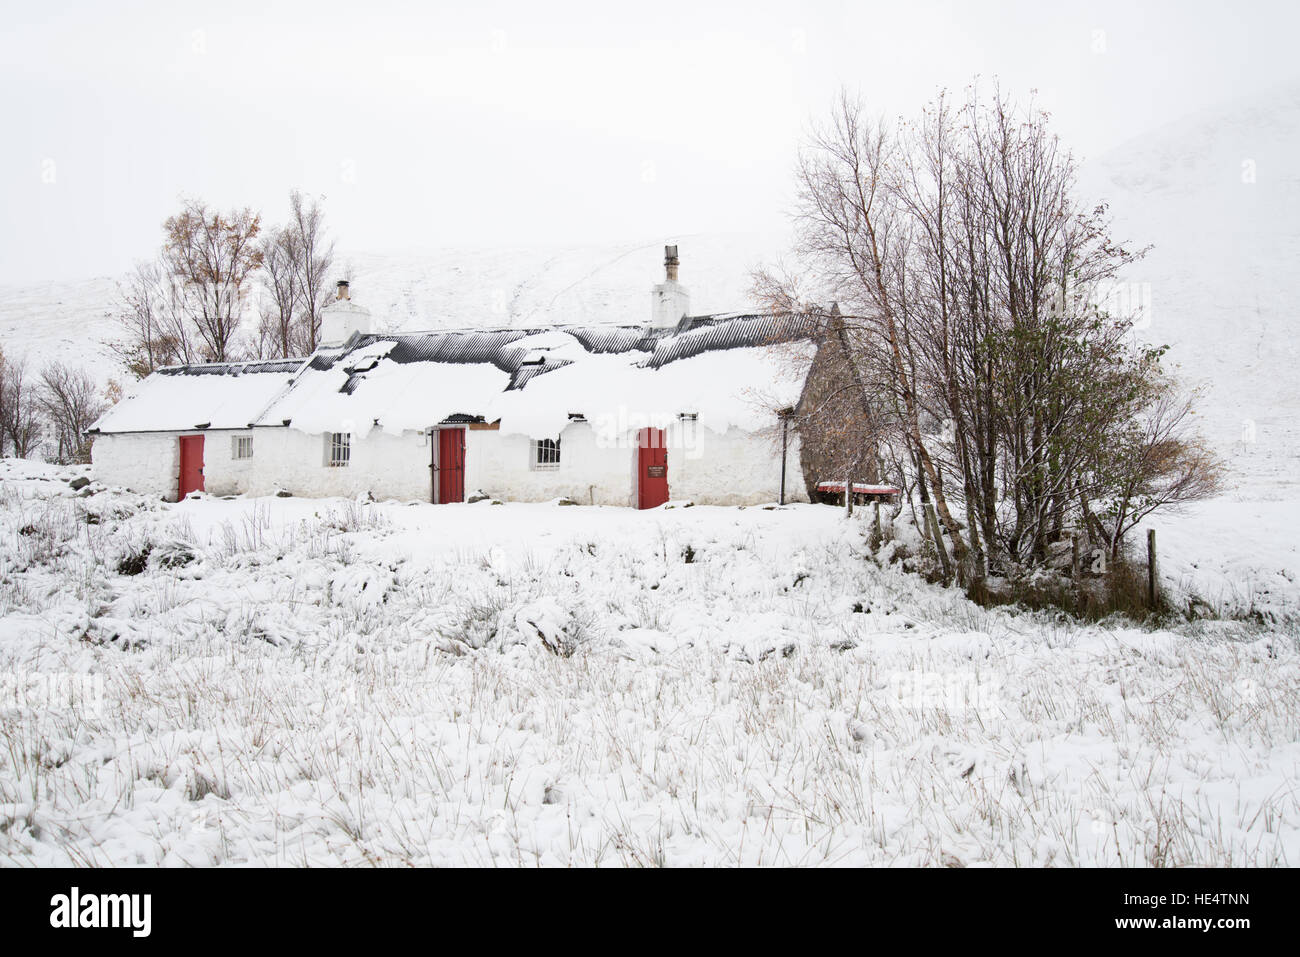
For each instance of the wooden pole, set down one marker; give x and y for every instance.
(1151, 565)
(785, 431)
(848, 496)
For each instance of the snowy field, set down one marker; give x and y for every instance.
(291, 681)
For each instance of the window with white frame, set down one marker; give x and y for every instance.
(241, 446)
(544, 454)
(339, 449)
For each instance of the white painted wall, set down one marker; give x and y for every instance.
(734, 468)
(500, 465)
(146, 462)
(386, 466)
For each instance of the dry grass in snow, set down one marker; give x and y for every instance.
(328, 682)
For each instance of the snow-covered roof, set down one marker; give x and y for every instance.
(228, 395)
(727, 370)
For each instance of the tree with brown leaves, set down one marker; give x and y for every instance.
(213, 256)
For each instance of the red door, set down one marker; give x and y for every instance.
(652, 468)
(451, 465)
(191, 465)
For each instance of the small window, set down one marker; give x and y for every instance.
(340, 449)
(241, 447)
(545, 454)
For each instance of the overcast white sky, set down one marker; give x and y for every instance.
(438, 124)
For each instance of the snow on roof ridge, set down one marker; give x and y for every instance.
(486, 366)
(241, 364)
(562, 326)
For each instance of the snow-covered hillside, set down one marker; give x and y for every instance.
(451, 287)
(43, 321)
(538, 286)
(1218, 195)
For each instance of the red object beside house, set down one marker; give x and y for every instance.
(828, 492)
(859, 488)
(191, 471)
(652, 468)
(451, 465)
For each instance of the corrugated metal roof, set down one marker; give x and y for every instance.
(523, 374)
(492, 346)
(235, 368)
(616, 339)
(713, 333)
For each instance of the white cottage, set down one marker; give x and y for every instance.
(687, 407)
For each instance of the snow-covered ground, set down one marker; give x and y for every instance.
(325, 681)
(1236, 558)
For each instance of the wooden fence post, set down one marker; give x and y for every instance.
(1151, 566)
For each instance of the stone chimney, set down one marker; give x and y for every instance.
(669, 300)
(343, 318)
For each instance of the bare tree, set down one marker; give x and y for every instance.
(314, 256)
(969, 274)
(857, 238)
(283, 303)
(70, 401)
(296, 259)
(4, 406)
(21, 422)
(213, 256)
(153, 319)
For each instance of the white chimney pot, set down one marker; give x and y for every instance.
(340, 319)
(669, 300)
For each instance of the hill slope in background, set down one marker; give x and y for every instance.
(1216, 194)
(537, 286)
(438, 289)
